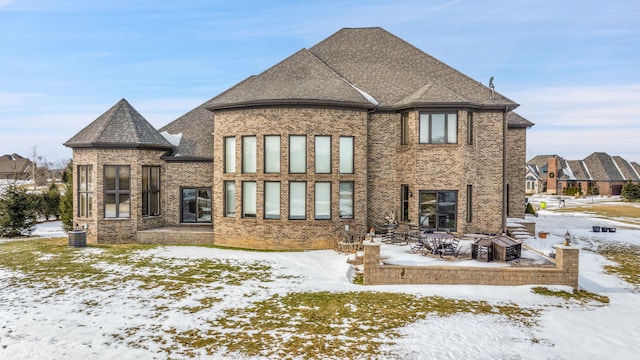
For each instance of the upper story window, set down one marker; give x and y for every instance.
(323, 154)
(404, 128)
(150, 190)
(249, 154)
(438, 128)
(230, 154)
(117, 187)
(85, 191)
(346, 155)
(470, 128)
(272, 154)
(297, 154)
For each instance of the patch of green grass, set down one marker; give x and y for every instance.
(324, 324)
(581, 296)
(626, 258)
(53, 264)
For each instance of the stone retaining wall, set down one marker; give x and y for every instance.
(565, 272)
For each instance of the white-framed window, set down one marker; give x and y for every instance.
(346, 200)
(272, 200)
(323, 154)
(249, 199)
(272, 154)
(297, 200)
(297, 154)
(438, 128)
(346, 154)
(230, 154)
(249, 154)
(323, 200)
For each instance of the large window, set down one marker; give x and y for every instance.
(249, 154)
(85, 191)
(272, 154)
(249, 199)
(230, 198)
(196, 205)
(297, 154)
(230, 154)
(346, 200)
(346, 155)
(439, 128)
(150, 190)
(323, 201)
(271, 200)
(117, 187)
(404, 128)
(297, 200)
(438, 210)
(323, 154)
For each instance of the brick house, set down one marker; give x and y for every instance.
(597, 174)
(338, 135)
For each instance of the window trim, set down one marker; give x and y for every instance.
(117, 192)
(315, 158)
(244, 214)
(87, 193)
(149, 191)
(305, 153)
(266, 158)
(404, 202)
(351, 160)
(254, 155)
(197, 190)
(304, 217)
(315, 201)
(340, 199)
(404, 128)
(264, 206)
(226, 211)
(227, 148)
(429, 130)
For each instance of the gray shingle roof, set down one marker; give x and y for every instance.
(515, 120)
(602, 167)
(385, 70)
(302, 77)
(195, 129)
(120, 126)
(628, 172)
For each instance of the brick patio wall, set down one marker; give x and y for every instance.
(565, 272)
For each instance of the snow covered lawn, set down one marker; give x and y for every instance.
(159, 302)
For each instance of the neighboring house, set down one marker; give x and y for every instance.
(333, 137)
(15, 167)
(598, 173)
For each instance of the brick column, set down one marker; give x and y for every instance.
(567, 259)
(371, 262)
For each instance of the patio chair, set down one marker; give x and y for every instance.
(350, 244)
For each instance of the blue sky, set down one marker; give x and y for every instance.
(573, 65)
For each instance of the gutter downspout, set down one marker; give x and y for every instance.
(504, 171)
